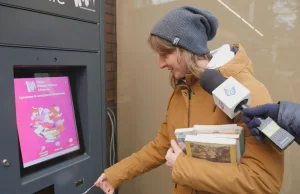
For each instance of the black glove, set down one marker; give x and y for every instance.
(262, 111)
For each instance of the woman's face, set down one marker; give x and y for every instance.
(171, 62)
(178, 69)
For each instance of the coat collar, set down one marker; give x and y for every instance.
(240, 62)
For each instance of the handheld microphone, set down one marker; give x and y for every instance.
(232, 97)
(228, 94)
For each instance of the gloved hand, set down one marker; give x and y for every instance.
(263, 111)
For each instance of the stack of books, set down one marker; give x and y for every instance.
(216, 143)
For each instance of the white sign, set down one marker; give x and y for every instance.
(58, 1)
(88, 5)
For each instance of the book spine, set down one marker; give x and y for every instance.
(188, 148)
(238, 150)
(233, 156)
(242, 138)
(242, 145)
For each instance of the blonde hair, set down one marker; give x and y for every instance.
(163, 47)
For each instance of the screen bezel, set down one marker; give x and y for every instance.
(70, 72)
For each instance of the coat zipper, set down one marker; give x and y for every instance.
(189, 96)
(189, 93)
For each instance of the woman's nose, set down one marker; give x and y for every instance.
(162, 62)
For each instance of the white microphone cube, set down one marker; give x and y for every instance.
(229, 95)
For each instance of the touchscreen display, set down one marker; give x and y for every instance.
(45, 118)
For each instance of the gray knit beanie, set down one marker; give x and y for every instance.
(187, 27)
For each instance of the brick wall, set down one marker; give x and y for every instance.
(111, 64)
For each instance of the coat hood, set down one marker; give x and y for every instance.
(240, 62)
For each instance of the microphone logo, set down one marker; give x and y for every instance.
(221, 104)
(230, 90)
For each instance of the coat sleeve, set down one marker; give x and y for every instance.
(149, 157)
(260, 170)
(289, 118)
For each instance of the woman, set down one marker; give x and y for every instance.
(180, 38)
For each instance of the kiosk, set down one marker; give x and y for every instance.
(53, 96)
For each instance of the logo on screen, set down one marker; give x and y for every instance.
(230, 90)
(88, 5)
(31, 87)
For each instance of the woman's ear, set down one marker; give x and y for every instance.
(180, 58)
(203, 62)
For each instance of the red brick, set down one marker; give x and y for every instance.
(108, 28)
(113, 66)
(111, 2)
(109, 66)
(109, 18)
(110, 95)
(110, 76)
(110, 104)
(109, 9)
(110, 85)
(113, 28)
(108, 47)
(110, 38)
(109, 57)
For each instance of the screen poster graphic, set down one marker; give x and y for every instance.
(45, 118)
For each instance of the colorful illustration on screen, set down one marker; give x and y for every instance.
(47, 123)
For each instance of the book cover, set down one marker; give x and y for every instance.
(180, 136)
(223, 129)
(231, 136)
(212, 149)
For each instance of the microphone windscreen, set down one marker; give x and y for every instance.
(210, 79)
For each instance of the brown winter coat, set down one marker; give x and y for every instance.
(261, 167)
